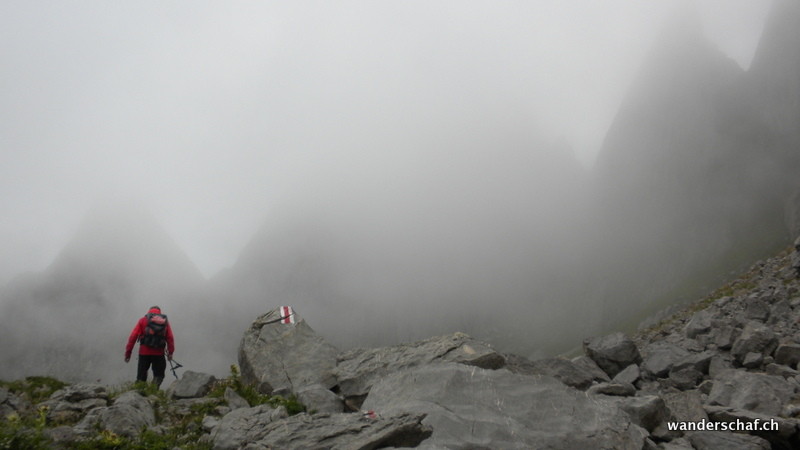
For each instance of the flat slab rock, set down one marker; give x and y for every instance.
(470, 407)
(359, 369)
(264, 427)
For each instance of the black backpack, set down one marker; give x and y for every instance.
(155, 333)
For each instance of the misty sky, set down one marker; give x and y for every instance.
(216, 114)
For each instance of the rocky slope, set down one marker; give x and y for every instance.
(699, 167)
(728, 360)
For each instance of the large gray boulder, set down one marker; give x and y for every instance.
(359, 369)
(286, 357)
(469, 407)
(613, 352)
(755, 338)
(264, 427)
(661, 356)
(192, 385)
(130, 413)
(755, 392)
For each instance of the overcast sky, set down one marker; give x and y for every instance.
(213, 113)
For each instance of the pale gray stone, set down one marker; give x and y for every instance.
(317, 399)
(192, 385)
(129, 414)
(756, 392)
(469, 407)
(661, 356)
(613, 352)
(277, 356)
(359, 369)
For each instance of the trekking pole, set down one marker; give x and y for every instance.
(174, 366)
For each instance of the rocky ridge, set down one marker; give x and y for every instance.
(731, 358)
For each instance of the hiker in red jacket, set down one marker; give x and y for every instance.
(155, 338)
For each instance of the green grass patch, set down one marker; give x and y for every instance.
(251, 394)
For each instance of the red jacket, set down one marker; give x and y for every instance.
(138, 331)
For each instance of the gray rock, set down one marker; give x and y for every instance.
(320, 400)
(192, 385)
(62, 436)
(263, 427)
(209, 423)
(244, 425)
(613, 352)
(587, 363)
(718, 365)
(613, 388)
(724, 336)
(754, 338)
(721, 440)
(347, 431)
(469, 407)
(705, 386)
(697, 361)
(755, 392)
(648, 411)
(130, 413)
(700, 323)
(74, 401)
(685, 378)
(561, 369)
(781, 371)
(780, 432)
(685, 406)
(78, 392)
(661, 356)
(10, 403)
(277, 356)
(781, 312)
(629, 375)
(234, 400)
(359, 369)
(757, 310)
(788, 354)
(676, 444)
(752, 360)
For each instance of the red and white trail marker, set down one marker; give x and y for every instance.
(287, 314)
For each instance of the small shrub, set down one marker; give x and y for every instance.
(251, 394)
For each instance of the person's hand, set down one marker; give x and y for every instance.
(169, 356)
(127, 357)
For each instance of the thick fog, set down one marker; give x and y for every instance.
(212, 114)
(401, 155)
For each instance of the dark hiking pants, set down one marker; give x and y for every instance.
(159, 364)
